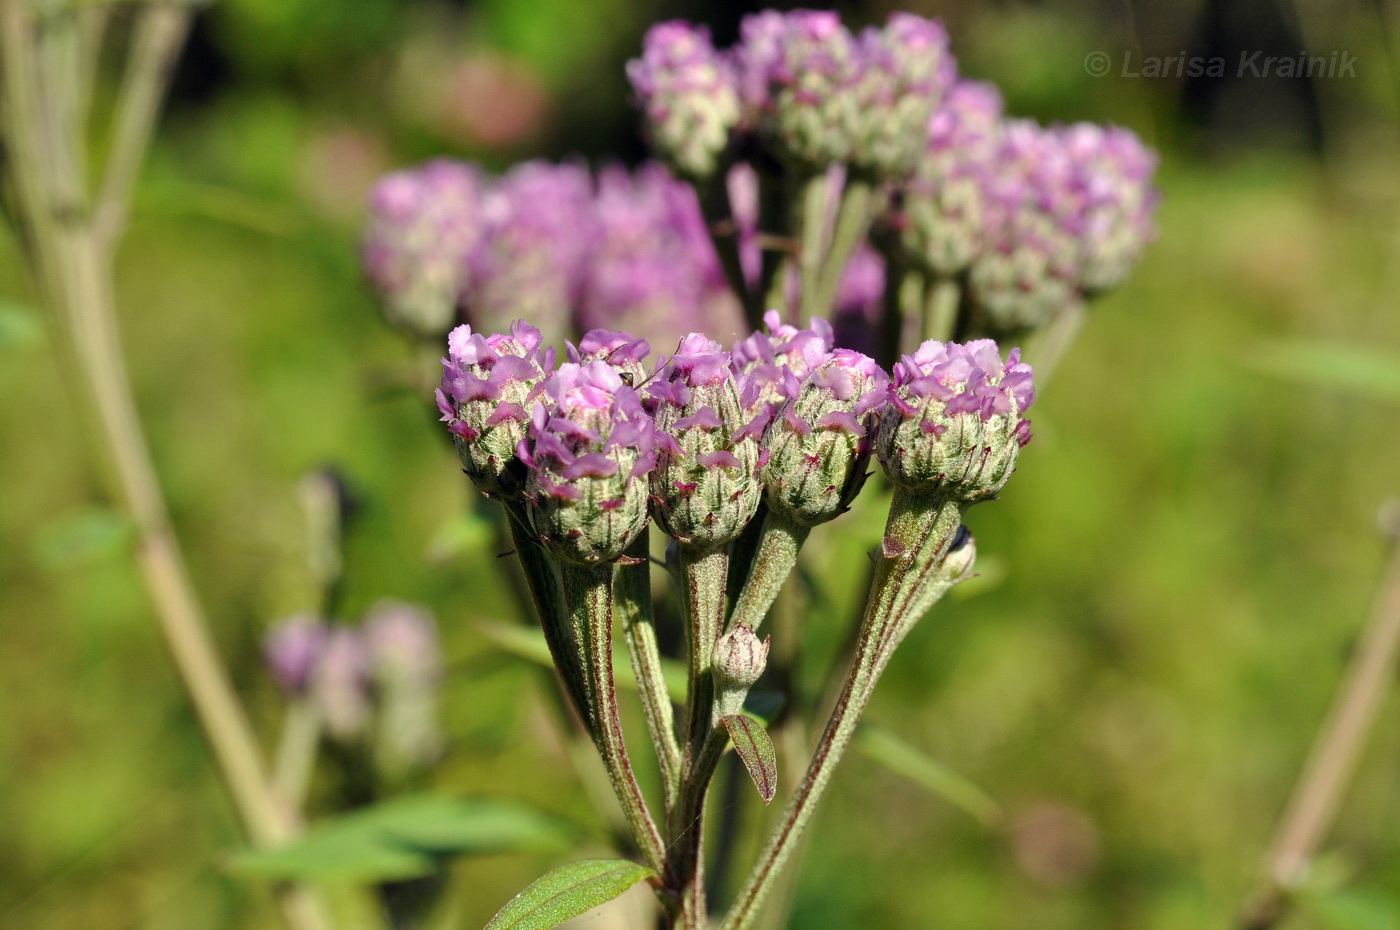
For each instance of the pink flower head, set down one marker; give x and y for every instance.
(488, 384)
(955, 418)
(589, 450)
(689, 95)
(820, 438)
(704, 488)
(292, 651)
(423, 228)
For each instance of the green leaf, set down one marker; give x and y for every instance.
(899, 757)
(465, 533)
(83, 538)
(405, 838)
(567, 892)
(1353, 369)
(755, 750)
(528, 643)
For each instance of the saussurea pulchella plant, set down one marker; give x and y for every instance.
(866, 222)
(584, 455)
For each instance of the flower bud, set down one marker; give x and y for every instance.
(801, 70)
(953, 424)
(423, 227)
(589, 450)
(341, 685)
(774, 360)
(406, 662)
(1117, 170)
(906, 69)
(705, 488)
(942, 208)
(819, 441)
(618, 350)
(740, 659)
(488, 385)
(535, 250)
(1031, 256)
(292, 651)
(689, 94)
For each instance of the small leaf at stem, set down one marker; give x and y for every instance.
(567, 892)
(755, 749)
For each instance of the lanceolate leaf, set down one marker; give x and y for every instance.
(407, 837)
(567, 892)
(755, 749)
(1351, 368)
(902, 759)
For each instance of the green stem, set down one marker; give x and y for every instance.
(1055, 339)
(703, 576)
(686, 832)
(634, 610)
(560, 632)
(778, 546)
(45, 144)
(588, 591)
(296, 752)
(905, 586)
(940, 316)
(852, 223)
(809, 222)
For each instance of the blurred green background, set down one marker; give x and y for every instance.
(1172, 583)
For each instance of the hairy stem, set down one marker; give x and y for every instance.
(1333, 758)
(588, 591)
(559, 626)
(634, 610)
(778, 546)
(906, 584)
(703, 579)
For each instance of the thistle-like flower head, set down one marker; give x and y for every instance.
(293, 649)
(652, 268)
(954, 423)
(801, 71)
(943, 205)
(619, 350)
(906, 69)
(406, 662)
(689, 94)
(488, 386)
(590, 448)
(1032, 251)
(820, 439)
(535, 246)
(705, 487)
(423, 227)
(342, 683)
(775, 359)
(1115, 170)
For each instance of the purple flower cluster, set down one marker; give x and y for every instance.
(697, 440)
(690, 95)
(549, 243)
(813, 92)
(1069, 210)
(954, 421)
(423, 226)
(388, 668)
